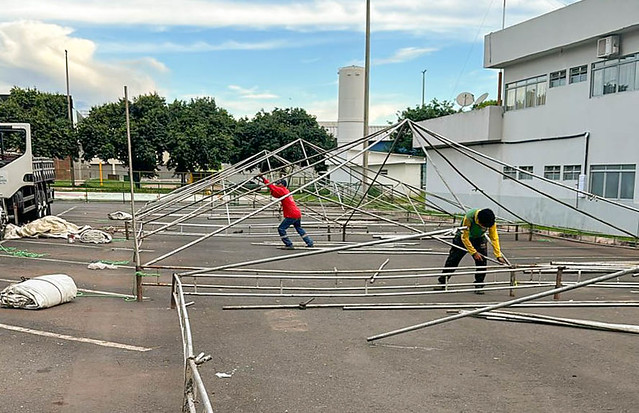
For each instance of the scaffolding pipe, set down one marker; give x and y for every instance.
(505, 304)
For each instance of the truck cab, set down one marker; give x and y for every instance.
(26, 181)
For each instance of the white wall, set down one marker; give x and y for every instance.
(583, 20)
(471, 126)
(518, 200)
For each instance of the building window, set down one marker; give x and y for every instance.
(552, 172)
(613, 181)
(510, 172)
(526, 93)
(383, 172)
(572, 172)
(525, 172)
(424, 175)
(615, 75)
(558, 78)
(578, 74)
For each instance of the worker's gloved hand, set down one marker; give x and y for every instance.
(502, 260)
(477, 256)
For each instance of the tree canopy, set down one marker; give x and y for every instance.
(47, 113)
(270, 131)
(484, 104)
(103, 133)
(201, 135)
(434, 109)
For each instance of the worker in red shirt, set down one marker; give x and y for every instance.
(292, 214)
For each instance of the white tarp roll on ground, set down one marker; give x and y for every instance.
(39, 292)
(49, 226)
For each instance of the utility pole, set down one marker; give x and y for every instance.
(423, 85)
(366, 96)
(70, 114)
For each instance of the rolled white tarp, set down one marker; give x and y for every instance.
(39, 292)
(49, 227)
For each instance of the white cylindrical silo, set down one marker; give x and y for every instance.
(350, 104)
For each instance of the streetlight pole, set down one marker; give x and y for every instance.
(423, 84)
(366, 95)
(70, 114)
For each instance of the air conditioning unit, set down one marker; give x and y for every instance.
(608, 46)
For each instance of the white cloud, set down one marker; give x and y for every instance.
(382, 113)
(252, 93)
(197, 47)
(323, 110)
(32, 55)
(405, 54)
(455, 18)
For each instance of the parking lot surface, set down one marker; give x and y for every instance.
(289, 359)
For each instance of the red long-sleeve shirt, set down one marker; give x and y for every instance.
(289, 207)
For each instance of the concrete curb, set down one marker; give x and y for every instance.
(103, 196)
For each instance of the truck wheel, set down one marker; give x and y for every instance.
(4, 219)
(41, 204)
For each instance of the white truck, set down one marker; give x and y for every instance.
(26, 181)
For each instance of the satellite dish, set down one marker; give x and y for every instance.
(481, 99)
(465, 99)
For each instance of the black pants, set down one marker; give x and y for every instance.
(455, 255)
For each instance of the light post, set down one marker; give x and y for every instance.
(366, 96)
(423, 84)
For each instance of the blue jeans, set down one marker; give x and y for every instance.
(297, 224)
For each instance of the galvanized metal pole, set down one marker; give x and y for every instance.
(138, 279)
(506, 303)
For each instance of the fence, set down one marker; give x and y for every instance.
(144, 181)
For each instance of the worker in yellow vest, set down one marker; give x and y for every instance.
(471, 240)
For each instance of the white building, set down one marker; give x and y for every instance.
(571, 82)
(350, 127)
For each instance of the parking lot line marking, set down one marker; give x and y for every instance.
(68, 210)
(60, 261)
(71, 338)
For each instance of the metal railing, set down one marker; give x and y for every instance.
(195, 394)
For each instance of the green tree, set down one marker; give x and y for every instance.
(434, 109)
(484, 104)
(201, 135)
(103, 133)
(47, 113)
(270, 131)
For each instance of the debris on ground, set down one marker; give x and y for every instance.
(39, 292)
(49, 227)
(119, 215)
(101, 266)
(95, 236)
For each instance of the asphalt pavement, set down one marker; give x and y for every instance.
(300, 360)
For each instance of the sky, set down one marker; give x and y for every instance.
(252, 55)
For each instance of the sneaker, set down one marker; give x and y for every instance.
(439, 287)
(479, 291)
(288, 247)
(310, 246)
